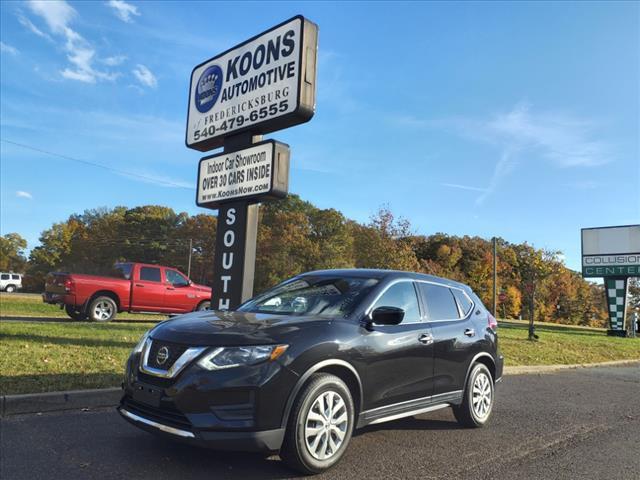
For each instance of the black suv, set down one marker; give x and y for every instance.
(298, 367)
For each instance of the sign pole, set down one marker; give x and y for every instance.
(235, 251)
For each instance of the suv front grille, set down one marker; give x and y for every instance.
(166, 414)
(174, 351)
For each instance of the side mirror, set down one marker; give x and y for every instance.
(387, 315)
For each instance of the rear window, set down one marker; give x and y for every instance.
(123, 270)
(150, 274)
(464, 302)
(440, 302)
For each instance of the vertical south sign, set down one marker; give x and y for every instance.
(266, 83)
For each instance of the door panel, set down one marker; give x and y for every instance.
(178, 296)
(453, 348)
(148, 289)
(399, 366)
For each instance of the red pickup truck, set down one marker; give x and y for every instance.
(134, 287)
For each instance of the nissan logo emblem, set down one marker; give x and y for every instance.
(162, 356)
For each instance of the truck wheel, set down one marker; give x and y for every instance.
(204, 306)
(74, 313)
(102, 309)
(10, 289)
(320, 425)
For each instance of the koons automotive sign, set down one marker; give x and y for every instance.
(264, 84)
(611, 251)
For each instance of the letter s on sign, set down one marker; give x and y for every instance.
(231, 216)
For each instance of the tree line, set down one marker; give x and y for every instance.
(295, 236)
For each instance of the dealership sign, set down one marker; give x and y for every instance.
(262, 85)
(611, 251)
(260, 171)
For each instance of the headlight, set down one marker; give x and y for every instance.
(228, 357)
(140, 345)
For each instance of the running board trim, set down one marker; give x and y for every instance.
(159, 426)
(408, 414)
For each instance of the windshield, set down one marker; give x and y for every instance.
(322, 295)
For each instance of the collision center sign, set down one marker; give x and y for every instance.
(262, 85)
(611, 251)
(256, 172)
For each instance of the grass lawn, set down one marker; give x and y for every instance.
(31, 305)
(45, 356)
(562, 344)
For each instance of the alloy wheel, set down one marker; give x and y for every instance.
(482, 396)
(326, 425)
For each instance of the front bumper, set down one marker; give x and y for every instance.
(234, 409)
(263, 441)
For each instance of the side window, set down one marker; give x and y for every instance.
(176, 279)
(124, 270)
(150, 274)
(440, 302)
(463, 300)
(15, 277)
(4, 276)
(401, 295)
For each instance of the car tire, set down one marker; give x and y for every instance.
(102, 309)
(479, 396)
(319, 408)
(10, 289)
(74, 313)
(204, 306)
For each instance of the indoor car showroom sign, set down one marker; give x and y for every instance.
(262, 85)
(256, 172)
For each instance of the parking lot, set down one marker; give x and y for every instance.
(575, 424)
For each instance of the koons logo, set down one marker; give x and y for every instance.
(208, 88)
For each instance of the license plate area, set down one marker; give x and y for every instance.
(147, 394)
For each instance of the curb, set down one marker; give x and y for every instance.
(56, 401)
(110, 397)
(540, 369)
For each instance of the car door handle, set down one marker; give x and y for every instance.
(470, 332)
(139, 285)
(426, 338)
(170, 288)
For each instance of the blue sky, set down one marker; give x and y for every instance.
(512, 119)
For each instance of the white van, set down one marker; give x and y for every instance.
(10, 282)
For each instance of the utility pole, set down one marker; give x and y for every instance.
(190, 252)
(495, 277)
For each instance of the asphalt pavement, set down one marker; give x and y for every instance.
(579, 424)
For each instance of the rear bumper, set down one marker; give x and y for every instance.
(499, 368)
(261, 441)
(58, 299)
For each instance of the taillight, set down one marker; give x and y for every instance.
(68, 285)
(493, 323)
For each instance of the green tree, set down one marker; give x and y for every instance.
(12, 258)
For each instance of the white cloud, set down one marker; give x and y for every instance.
(26, 23)
(522, 134)
(145, 76)
(23, 194)
(58, 16)
(114, 60)
(464, 187)
(8, 49)
(123, 10)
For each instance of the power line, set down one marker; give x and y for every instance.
(98, 165)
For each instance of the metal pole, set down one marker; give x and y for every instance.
(235, 250)
(190, 252)
(495, 277)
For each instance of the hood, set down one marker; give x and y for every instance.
(202, 288)
(212, 328)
